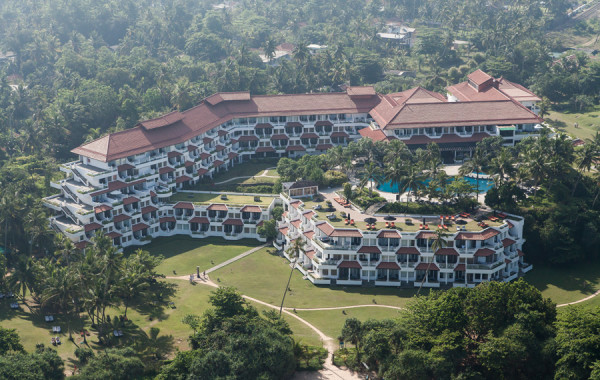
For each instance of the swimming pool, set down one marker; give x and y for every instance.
(484, 185)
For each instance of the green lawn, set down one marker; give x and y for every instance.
(246, 169)
(331, 322)
(263, 275)
(566, 284)
(250, 171)
(238, 200)
(588, 123)
(182, 253)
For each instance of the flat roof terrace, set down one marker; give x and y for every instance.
(232, 199)
(413, 225)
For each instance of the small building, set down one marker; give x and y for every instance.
(315, 48)
(300, 189)
(399, 33)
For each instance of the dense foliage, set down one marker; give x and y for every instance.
(233, 341)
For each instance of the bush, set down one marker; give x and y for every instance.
(83, 354)
(334, 178)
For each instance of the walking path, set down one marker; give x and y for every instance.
(344, 307)
(581, 300)
(263, 174)
(233, 259)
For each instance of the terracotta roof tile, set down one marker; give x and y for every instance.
(309, 234)
(139, 227)
(338, 232)
(488, 233)
(263, 149)
(309, 136)
(217, 207)
(233, 222)
(148, 209)
(182, 179)
(389, 234)
(407, 251)
(130, 200)
(446, 252)
(369, 249)
(295, 148)
(324, 146)
(199, 220)
(425, 266)
(102, 208)
(460, 268)
(388, 265)
(251, 209)
(508, 242)
(92, 227)
(184, 205)
(121, 217)
(350, 264)
(248, 138)
(484, 252)
(167, 219)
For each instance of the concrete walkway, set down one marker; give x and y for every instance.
(234, 259)
(263, 174)
(581, 300)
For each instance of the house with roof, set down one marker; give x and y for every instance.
(122, 183)
(399, 33)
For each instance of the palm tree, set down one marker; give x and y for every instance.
(23, 277)
(372, 174)
(413, 180)
(394, 174)
(61, 288)
(475, 164)
(502, 165)
(438, 243)
(296, 247)
(586, 157)
(36, 227)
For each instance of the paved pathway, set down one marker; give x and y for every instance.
(233, 259)
(581, 300)
(344, 307)
(263, 174)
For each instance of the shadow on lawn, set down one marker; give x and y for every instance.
(584, 278)
(176, 245)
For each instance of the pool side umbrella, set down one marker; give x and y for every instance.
(389, 217)
(370, 220)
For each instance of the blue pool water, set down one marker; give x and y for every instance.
(484, 185)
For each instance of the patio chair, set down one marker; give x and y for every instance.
(393, 225)
(387, 225)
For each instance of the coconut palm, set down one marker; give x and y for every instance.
(372, 174)
(585, 159)
(502, 166)
(394, 174)
(61, 287)
(412, 181)
(23, 277)
(476, 165)
(439, 242)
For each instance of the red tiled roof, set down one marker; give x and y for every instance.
(218, 163)
(220, 148)
(350, 264)
(233, 222)
(251, 209)
(388, 265)
(222, 132)
(326, 228)
(82, 244)
(199, 220)
(217, 207)
(92, 227)
(446, 252)
(510, 225)
(162, 121)
(508, 242)
(310, 254)
(279, 137)
(121, 217)
(309, 136)
(191, 148)
(373, 134)
(407, 251)
(309, 234)
(479, 77)
(324, 146)
(263, 125)
(173, 154)
(202, 171)
(148, 209)
(425, 235)
(232, 155)
(124, 167)
(308, 214)
(206, 140)
(152, 193)
(183, 178)
(346, 233)
(369, 249)
(460, 268)
(361, 91)
(520, 253)
(165, 170)
(204, 155)
(293, 124)
(295, 204)
(284, 230)
(187, 164)
(228, 97)
(296, 148)
(102, 208)
(484, 252)
(389, 234)
(507, 261)
(323, 123)
(139, 227)
(339, 134)
(262, 149)
(113, 235)
(296, 223)
(489, 233)
(130, 200)
(117, 185)
(424, 266)
(248, 138)
(167, 219)
(184, 205)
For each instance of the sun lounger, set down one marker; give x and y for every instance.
(393, 225)
(387, 225)
(58, 340)
(56, 329)
(420, 226)
(426, 226)
(53, 340)
(352, 222)
(49, 318)
(14, 305)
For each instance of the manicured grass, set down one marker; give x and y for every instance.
(182, 253)
(246, 169)
(264, 274)
(331, 322)
(206, 198)
(566, 284)
(588, 123)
